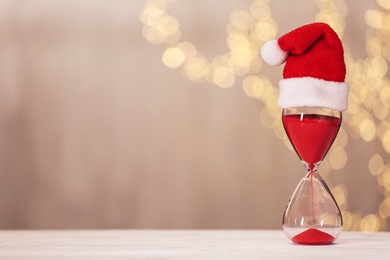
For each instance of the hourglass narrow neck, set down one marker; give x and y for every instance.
(311, 167)
(311, 131)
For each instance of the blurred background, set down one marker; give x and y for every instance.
(160, 114)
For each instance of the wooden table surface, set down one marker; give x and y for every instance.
(184, 244)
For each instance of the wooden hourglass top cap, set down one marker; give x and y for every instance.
(314, 73)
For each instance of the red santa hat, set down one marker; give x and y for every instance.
(315, 70)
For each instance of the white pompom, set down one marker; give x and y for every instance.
(272, 54)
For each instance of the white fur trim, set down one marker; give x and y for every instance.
(313, 92)
(272, 54)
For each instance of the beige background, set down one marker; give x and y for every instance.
(95, 132)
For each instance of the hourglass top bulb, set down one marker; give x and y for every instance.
(315, 70)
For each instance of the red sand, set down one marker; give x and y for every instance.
(313, 236)
(311, 135)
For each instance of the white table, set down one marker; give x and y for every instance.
(184, 244)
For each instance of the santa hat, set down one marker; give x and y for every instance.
(315, 71)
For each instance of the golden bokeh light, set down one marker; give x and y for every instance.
(374, 18)
(380, 110)
(265, 30)
(347, 220)
(384, 4)
(386, 140)
(253, 86)
(376, 68)
(260, 10)
(384, 208)
(375, 165)
(370, 223)
(188, 49)
(367, 129)
(173, 57)
(197, 69)
(224, 77)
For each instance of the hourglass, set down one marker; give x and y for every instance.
(312, 215)
(312, 95)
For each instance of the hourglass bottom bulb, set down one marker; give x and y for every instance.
(312, 216)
